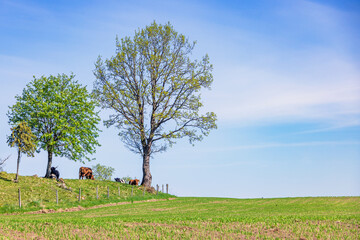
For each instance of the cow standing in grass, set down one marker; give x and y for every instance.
(55, 172)
(85, 172)
(134, 182)
(119, 180)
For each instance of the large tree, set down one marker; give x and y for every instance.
(154, 89)
(61, 114)
(25, 141)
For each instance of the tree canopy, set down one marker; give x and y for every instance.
(61, 114)
(153, 88)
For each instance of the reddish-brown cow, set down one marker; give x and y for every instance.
(134, 182)
(85, 172)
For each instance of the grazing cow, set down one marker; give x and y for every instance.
(85, 172)
(55, 172)
(119, 180)
(134, 182)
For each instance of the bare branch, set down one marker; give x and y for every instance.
(2, 161)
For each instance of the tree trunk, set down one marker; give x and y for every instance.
(147, 178)
(48, 169)
(18, 163)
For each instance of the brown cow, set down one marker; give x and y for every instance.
(85, 172)
(134, 182)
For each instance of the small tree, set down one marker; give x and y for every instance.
(22, 137)
(154, 87)
(102, 172)
(62, 116)
(127, 179)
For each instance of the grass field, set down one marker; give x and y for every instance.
(40, 193)
(196, 218)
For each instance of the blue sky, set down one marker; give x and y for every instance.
(286, 89)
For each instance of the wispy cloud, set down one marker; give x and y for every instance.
(329, 93)
(285, 145)
(295, 82)
(346, 123)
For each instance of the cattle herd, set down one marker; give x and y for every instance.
(88, 174)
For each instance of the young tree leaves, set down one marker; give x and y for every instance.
(61, 114)
(154, 89)
(22, 138)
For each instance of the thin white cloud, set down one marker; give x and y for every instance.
(324, 20)
(293, 83)
(285, 145)
(330, 93)
(345, 124)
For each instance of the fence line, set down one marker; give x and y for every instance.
(97, 193)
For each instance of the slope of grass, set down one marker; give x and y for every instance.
(197, 218)
(38, 193)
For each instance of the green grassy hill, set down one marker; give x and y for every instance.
(40, 193)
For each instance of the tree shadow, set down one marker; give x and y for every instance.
(5, 178)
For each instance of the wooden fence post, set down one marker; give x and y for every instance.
(162, 189)
(108, 192)
(79, 194)
(132, 190)
(97, 192)
(57, 197)
(119, 191)
(19, 198)
(157, 189)
(167, 188)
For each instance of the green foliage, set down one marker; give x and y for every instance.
(102, 172)
(154, 88)
(25, 141)
(61, 114)
(22, 137)
(127, 179)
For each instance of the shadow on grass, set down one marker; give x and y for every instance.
(6, 179)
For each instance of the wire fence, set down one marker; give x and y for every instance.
(98, 194)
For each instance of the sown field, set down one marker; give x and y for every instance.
(196, 218)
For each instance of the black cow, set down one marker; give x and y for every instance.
(119, 180)
(55, 172)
